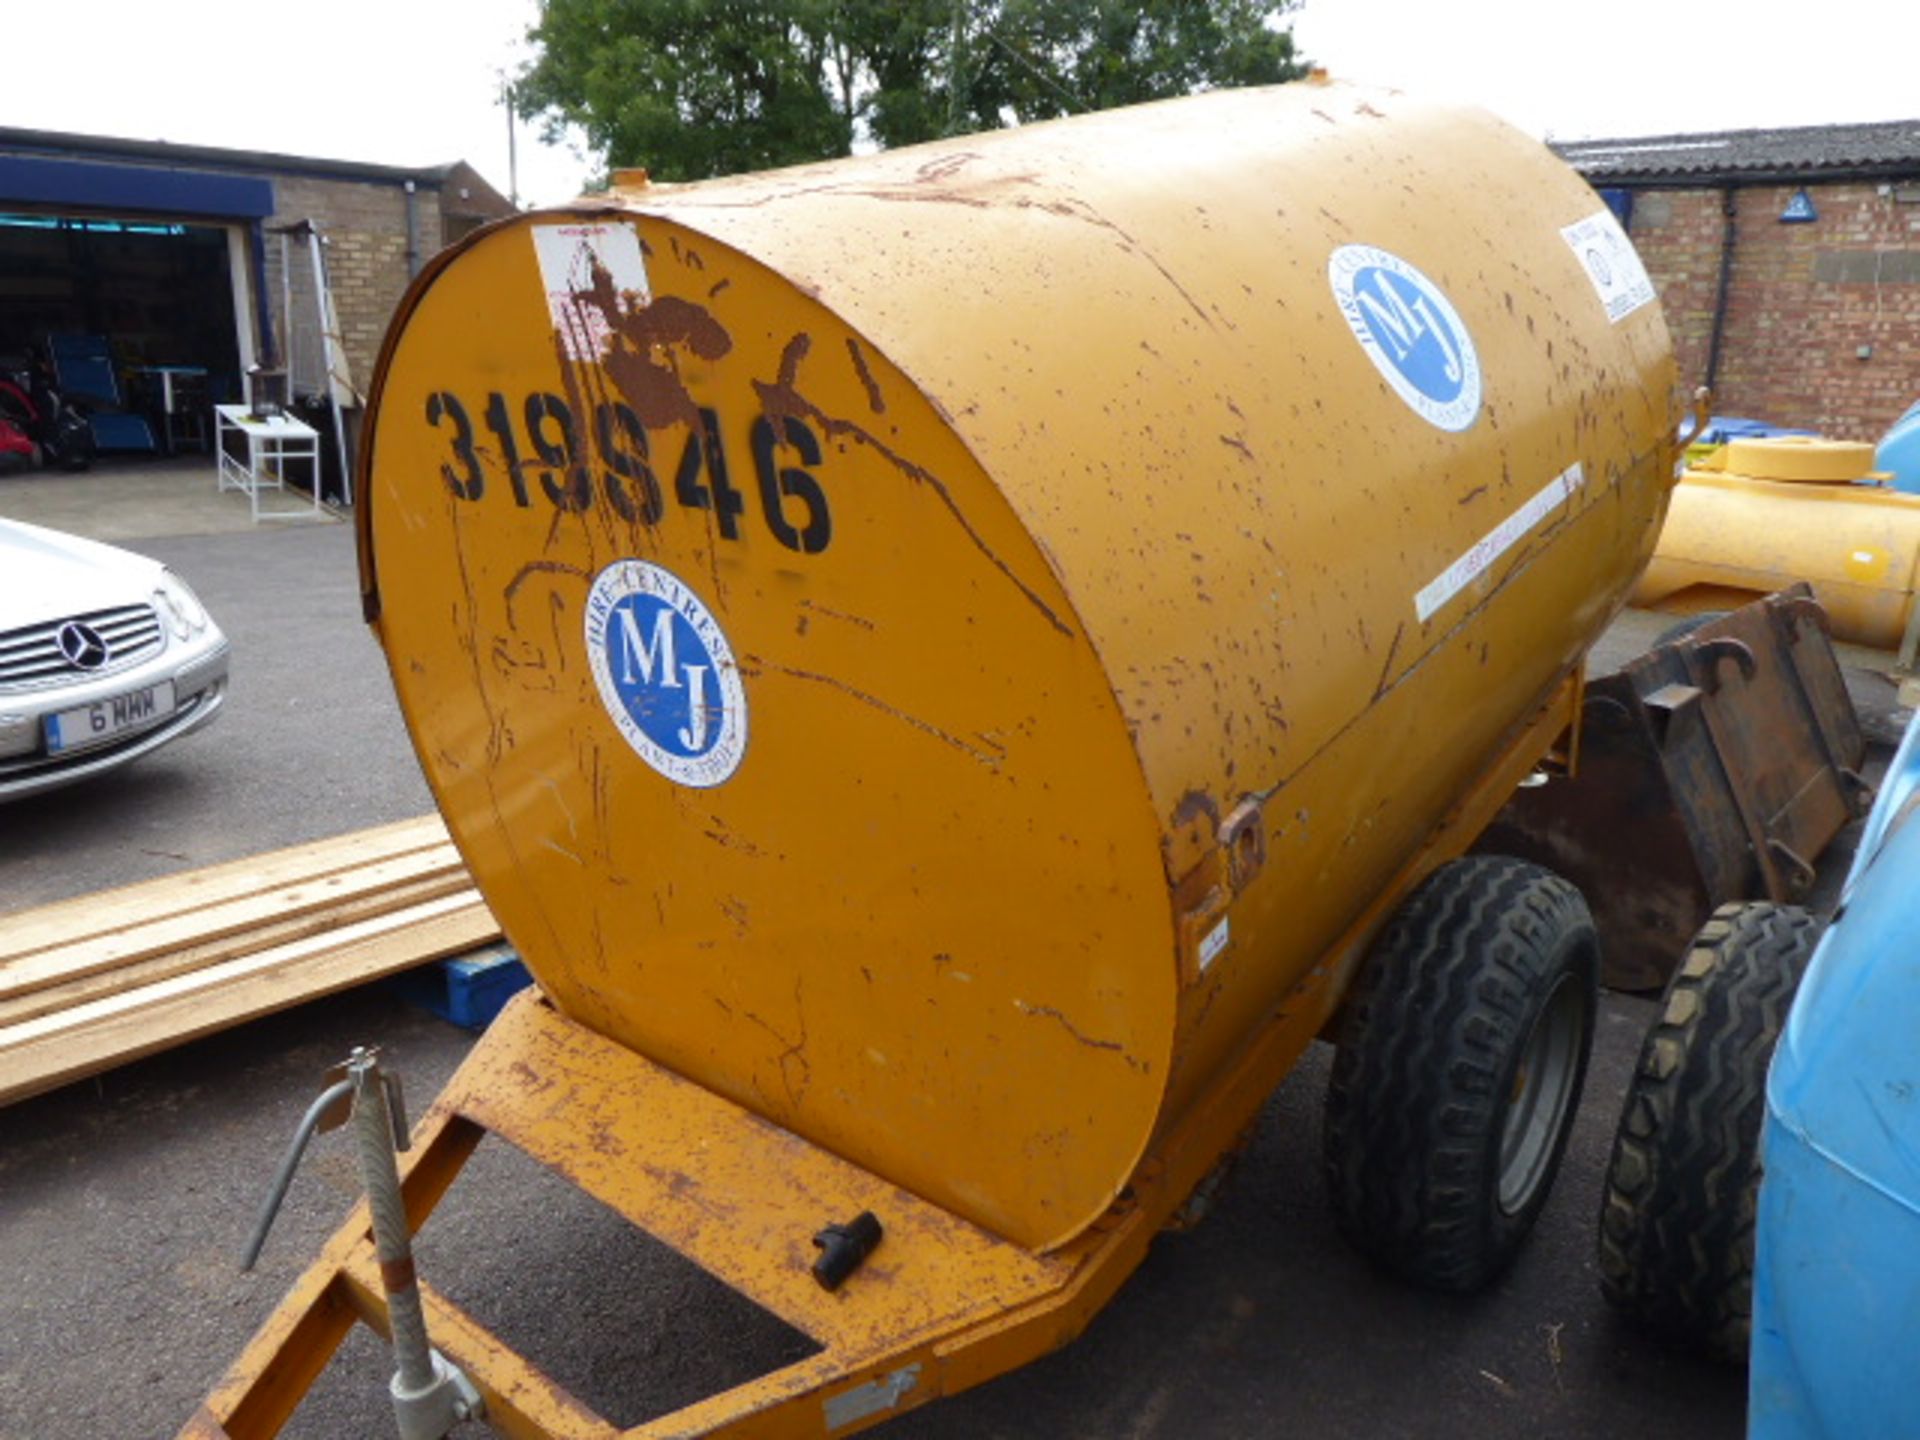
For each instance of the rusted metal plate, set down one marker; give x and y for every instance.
(1714, 768)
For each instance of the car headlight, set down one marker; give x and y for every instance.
(184, 613)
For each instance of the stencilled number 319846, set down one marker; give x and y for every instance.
(614, 459)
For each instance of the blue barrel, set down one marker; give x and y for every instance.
(1722, 428)
(1900, 451)
(1836, 1295)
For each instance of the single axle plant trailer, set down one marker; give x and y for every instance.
(952, 667)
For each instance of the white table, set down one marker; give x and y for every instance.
(168, 411)
(269, 444)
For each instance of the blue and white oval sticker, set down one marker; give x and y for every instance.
(666, 673)
(1411, 332)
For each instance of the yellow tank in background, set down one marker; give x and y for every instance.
(1758, 514)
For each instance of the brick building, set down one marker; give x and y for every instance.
(1788, 263)
(173, 253)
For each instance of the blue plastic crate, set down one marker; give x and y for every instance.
(468, 990)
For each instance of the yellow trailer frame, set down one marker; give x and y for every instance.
(942, 1305)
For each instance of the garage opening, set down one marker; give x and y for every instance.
(138, 313)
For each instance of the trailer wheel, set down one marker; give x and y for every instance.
(1677, 1212)
(1461, 1060)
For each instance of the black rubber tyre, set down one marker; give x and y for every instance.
(1461, 1059)
(1677, 1211)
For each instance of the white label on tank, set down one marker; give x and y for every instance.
(1611, 263)
(589, 269)
(1215, 942)
(1411, 332)
(666, 673)
(1496, 542)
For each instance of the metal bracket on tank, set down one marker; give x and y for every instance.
(1244, 838)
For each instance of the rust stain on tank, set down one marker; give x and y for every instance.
(655, 390)
(945, 167)
(872, 386)
(1386, 669)
(782, 399)
(663, 326)
(1195, 805)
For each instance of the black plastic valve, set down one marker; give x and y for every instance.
(845, 1248)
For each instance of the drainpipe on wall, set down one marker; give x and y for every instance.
(1728, 235)
(413, 231)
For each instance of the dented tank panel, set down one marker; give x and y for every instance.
(936, 646)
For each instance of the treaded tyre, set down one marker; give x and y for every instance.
(1677, 1211)
(1461, 1059)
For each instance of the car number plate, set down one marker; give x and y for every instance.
(95, 724)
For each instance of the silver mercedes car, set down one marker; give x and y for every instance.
(104, 656)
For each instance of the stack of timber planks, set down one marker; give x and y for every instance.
(94, 982)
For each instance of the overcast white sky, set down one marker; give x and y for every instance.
(1580, 69)
(416, 82)
(396, 82)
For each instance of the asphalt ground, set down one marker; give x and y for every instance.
(125, 1200)
(125, 1203)
(310, 744)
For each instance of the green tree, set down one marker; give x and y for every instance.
(691, 88)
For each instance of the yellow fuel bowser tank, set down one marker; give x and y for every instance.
(1758, 514)
(949, 651)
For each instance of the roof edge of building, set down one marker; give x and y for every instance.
(1862, 150)
(166, 152)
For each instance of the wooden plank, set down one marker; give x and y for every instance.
(218, 931)
(50, 1050)
(70, 921)
(163, 964)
